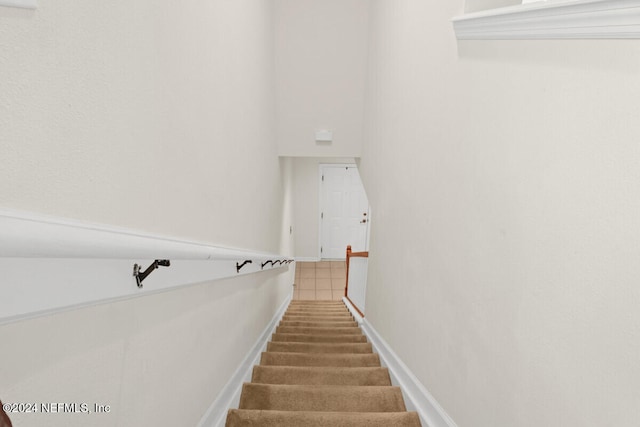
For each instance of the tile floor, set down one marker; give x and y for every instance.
(323, 280)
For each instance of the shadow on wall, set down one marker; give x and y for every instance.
(4, 418)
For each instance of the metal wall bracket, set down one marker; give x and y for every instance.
(141, 276)
(239, 266)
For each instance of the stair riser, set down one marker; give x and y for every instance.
(320, 313)
(311, 359)
(318, 319)
(318, 338)
(336, 318)
(315, 302)
(285, 347)
(319, 331)
(253, 418)
(320, 376)
(321, 398)
(288, 324)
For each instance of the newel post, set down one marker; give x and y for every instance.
(346, 286)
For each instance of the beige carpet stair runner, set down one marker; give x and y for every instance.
(319, 370)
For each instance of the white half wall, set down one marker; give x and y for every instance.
(139, 356)
(503, 265)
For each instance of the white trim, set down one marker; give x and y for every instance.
(353, 311)
(24, 4)
(27, 234)
(583, 19)
(229, 396)
(417, 397)
(53, 264)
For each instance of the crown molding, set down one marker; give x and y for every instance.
(24, 4)
(584, 19)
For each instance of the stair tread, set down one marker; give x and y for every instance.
(322, 398)
(341, 313)
(315, 330)
(319, 359)
(328, 318)
(318, 338)
(315, 302)
(297, 347)
(305, 375)
(319, 324)
(253, 418)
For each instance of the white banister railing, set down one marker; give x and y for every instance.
(50, 264)
(31, 235)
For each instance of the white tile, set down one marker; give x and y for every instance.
(323, 284)
(323, 273)
(307, 284)
(324, 294)
(307, 295)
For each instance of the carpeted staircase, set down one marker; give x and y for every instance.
(319, 370)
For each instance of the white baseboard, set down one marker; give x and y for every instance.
(229, 396)
(417, 397)
(353, 311)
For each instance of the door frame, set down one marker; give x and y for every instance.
(321, 168)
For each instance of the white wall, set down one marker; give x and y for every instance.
(147, 115)
(159, 360)
(287, 238)
(321, 54)
(504, 178)
(477, 5)
(156, 116)
(306, 202)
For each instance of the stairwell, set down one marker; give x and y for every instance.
(319, 370)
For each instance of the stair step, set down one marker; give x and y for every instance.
(317, 338)
(302, 375)
(320, 331)
(321, 398)
(319, 370)
(332, 318)
(253, 418)
(314, 302)
(316, 313)
(316, 324)
(326, 348)
(318, 359)
(341, 316)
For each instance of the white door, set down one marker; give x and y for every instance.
(344, 211)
